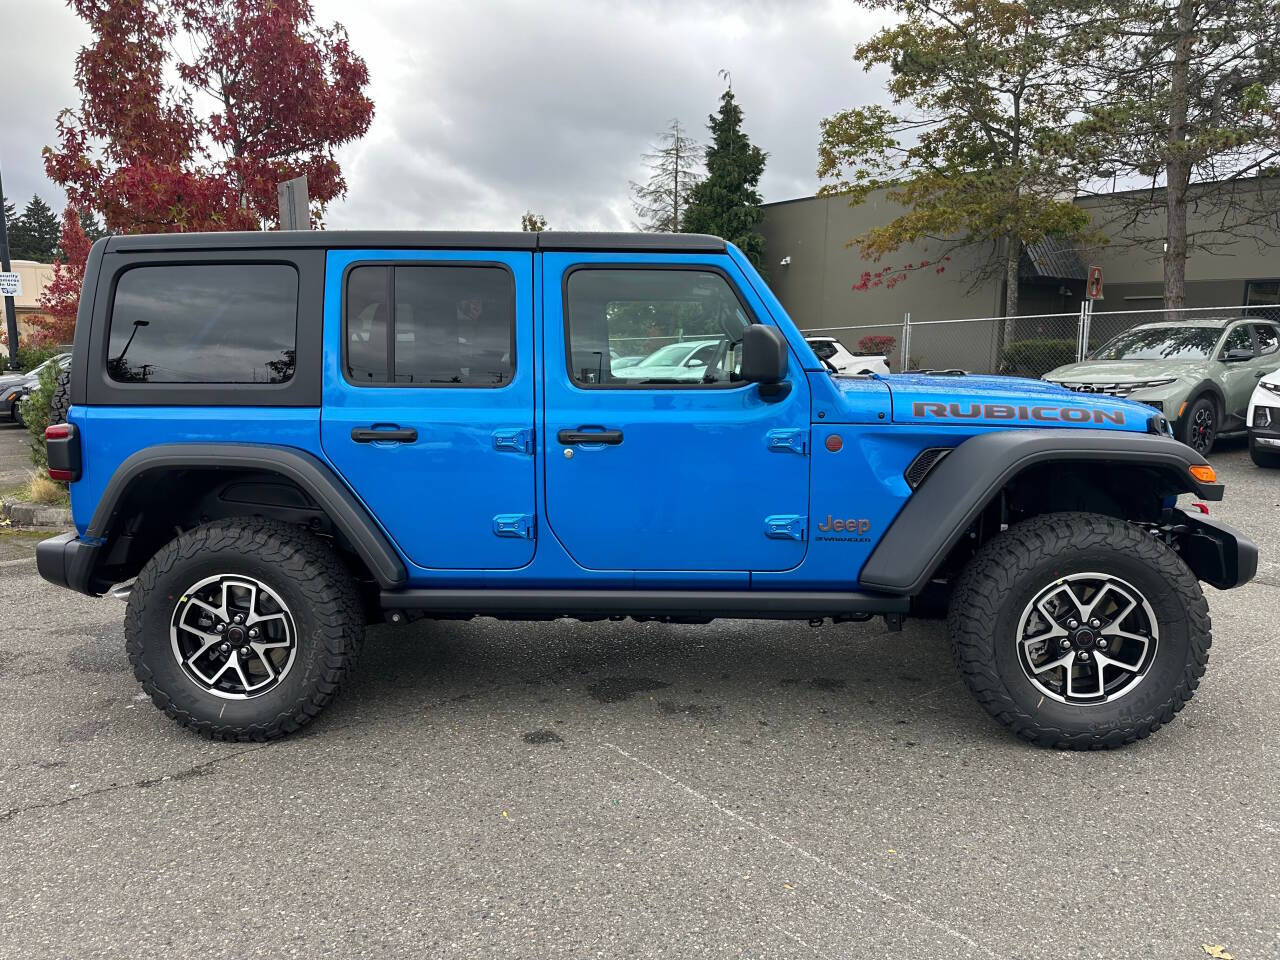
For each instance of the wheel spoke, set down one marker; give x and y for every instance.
(1061, 661)
(254, 619)
(234, 660)
(209, 642)
(212, 611)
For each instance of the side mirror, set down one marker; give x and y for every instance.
(764, 354)
(1237, 356)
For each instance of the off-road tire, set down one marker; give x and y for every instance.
(1263, 458)
(1015, 566)
(60, 406)
(304, 570)
(1186, 423)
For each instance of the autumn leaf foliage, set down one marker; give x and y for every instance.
(56, 322)
(262, 94)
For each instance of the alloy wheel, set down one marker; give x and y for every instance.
(233, 636)
(1088, 638)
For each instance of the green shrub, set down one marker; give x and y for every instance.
(31, 357)
(1035, 358)
(35, 411)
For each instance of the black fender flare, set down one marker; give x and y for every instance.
(956, 491)
(311, 474)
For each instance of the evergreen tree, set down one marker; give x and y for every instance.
(726, 203)
(92, 226)
(34, 235)
(673, 163)
(10, 213)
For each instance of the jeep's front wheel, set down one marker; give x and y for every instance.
(243, 629)
(1079, 631)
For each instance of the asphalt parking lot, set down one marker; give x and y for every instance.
(622, 790)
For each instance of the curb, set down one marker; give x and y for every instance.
(22, 514)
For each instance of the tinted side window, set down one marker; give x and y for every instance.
(653, 328)
(453, 326)
(204, 323)
(1238, 339)
(1268, 338)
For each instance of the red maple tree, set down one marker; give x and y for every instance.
(59, 301)
(283, 94)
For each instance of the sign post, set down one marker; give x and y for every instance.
(10, 314)
(295, 205)
(1092, 292)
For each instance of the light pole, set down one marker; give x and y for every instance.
(10, 315)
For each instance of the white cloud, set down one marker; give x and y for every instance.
(485, 109)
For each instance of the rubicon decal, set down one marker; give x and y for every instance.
(1007, 411)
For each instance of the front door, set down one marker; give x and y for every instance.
(657, 457)
(428, 399)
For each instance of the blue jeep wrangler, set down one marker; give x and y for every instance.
(274, 438)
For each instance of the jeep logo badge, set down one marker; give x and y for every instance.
(859, 527)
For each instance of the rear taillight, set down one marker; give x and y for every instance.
(63, 444)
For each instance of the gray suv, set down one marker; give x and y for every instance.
(1199, 373)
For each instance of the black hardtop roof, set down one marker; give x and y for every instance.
(418, 240)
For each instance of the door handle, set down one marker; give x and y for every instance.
(393, 435)
(590, 435)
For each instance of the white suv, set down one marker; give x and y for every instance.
(832, 351)
(1264, 421)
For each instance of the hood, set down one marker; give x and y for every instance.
(12, 379)
(1125, 371)
(1008, 402)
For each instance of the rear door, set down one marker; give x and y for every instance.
(428, 399)
(658, 465)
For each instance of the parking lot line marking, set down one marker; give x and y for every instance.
(903, 905)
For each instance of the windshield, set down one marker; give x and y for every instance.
(1161, 343)
(669, 355)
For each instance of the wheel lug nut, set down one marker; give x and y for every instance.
(1095, 622)
(1073, 624)
(224, 647)
(239, 618)
(244, 651)
(1102, 643)
(1064, 643)
(221, 627)
(253, 633)
(1084, 654)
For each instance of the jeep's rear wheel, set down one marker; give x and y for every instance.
(243, 629)
(1079, 631)
(1199, 427)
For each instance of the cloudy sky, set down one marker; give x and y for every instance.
(486, 108)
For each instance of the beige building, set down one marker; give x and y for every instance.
(813, 270)
(35, 277)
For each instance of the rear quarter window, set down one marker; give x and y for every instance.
(223, 323)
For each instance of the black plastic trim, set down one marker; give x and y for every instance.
(765, 605)
(962, 484)
(416, 240)
(1218, 554)
(68, 561)
(339, 504)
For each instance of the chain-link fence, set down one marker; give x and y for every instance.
(1023, 346)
